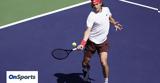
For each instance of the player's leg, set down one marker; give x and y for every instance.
(86, 60)
(103, 54)
(104, 63)
(88, 52)
(85, 65)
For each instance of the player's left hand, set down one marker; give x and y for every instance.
(118, 26)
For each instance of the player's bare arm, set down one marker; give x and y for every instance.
(85, 38)
(86, 34)
(116, 24)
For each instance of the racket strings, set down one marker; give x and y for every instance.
(60, 54)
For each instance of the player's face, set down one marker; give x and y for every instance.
(97, 6)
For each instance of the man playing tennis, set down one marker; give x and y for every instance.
(95, 37)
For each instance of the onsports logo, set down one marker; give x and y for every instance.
(22, 76)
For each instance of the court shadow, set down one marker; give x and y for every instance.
(69, 78)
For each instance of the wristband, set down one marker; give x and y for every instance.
(83, 42)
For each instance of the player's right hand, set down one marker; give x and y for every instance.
(80, 47)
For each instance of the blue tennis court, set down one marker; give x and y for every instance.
(133, 57)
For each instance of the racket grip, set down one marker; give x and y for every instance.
(74, 49)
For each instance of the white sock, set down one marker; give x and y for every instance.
(106, 80)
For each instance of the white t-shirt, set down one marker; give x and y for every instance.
(99, 24)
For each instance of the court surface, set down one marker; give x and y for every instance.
(15, 10)
(134, 51)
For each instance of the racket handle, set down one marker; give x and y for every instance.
(74, 49)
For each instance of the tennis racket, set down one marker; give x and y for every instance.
(61, 54)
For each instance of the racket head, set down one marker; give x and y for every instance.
(60, 54)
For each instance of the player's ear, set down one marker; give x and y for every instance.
(101, 4)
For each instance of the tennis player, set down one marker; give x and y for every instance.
(95, 37)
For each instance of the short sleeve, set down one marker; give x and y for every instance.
(108, 11)
(90, 20)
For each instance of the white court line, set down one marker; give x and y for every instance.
(45, 14)
(145, 6)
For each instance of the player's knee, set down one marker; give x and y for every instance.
(104, 63)
(85, 60)
(85, 65)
